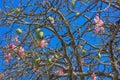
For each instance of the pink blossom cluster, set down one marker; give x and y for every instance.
(42, 44)
(99, 22)
(12, 46)
(21, 53)
(8, 58)
(19, 50)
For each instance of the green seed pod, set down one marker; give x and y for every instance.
(56, 56)
(36, 61)
(77, 14)
(83, 52)
(40, 35)
(99, 55)
(49, 61)
(73, 3)
(38, 30)
(19, 31)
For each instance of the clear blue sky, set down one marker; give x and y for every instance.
(95, 40)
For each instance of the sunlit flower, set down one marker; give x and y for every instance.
(99, 22)
(8, 57)
(93, 76)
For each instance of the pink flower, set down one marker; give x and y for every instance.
(8, 58)
(93, 76)
(21, 51)
(12, 46)
(99, 22)
(43, 44)
(59, 71)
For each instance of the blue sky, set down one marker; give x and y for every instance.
(90, 39)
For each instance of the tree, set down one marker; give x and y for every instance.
(60, 39)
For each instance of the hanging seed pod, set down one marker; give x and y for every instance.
(39, 34)
(83, 52)
(38, 30)
(49, 61)
(18, 31)
(77, 14)
(99, 55)
(73, 3)
(56, 56)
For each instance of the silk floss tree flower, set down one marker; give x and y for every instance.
(42, 44)
(8, 57)
(99, 22)
(21, 53)
(12, 46)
